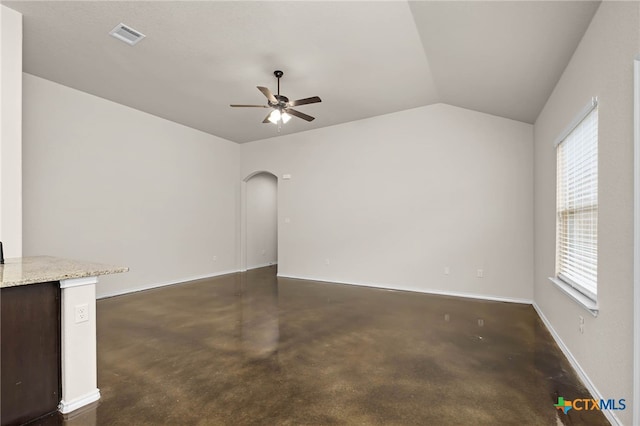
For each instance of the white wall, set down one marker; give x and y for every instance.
(11, 131)
(262, 220)
(107, 183)
(393, 200)
(601, 66)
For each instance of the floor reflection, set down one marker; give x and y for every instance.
(258, 315)
(254, 349)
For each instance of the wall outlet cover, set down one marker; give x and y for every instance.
(82, 313)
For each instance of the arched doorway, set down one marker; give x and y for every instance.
(260, 237)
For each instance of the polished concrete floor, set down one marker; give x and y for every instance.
(252, 349)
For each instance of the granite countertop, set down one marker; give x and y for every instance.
(40, 269)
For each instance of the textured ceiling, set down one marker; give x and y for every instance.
(362, 58)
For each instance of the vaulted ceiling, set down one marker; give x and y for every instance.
(363, 58)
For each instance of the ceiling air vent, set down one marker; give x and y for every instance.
(126, 34)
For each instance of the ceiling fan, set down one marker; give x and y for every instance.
(282, 106)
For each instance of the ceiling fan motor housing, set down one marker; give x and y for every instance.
(282, 101)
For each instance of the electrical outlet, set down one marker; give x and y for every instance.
(215, 258)
(326, 262)
(82, 313)
(581, 324)
(446, 270)
(480, 273)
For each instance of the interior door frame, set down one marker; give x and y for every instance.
(636, 240)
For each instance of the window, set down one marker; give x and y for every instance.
(577, 204)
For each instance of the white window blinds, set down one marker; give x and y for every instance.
(577, 205)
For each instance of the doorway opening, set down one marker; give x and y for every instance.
(261, 220)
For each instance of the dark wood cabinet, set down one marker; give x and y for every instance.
(30, 351)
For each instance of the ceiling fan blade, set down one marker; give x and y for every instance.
(249, 106)
(299, 114)
(266, 119)
(268, 94)
(311, 100)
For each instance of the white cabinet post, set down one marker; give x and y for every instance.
(78, 340)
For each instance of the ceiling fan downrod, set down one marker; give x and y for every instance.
(278, 74)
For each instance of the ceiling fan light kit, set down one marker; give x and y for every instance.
(282, 106)
(276, 116)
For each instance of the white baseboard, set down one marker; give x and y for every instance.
(586, 381)
(415, 290)
(264, 265)
(166, 283)
(68, 406)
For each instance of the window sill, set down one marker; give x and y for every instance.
(577, 297)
